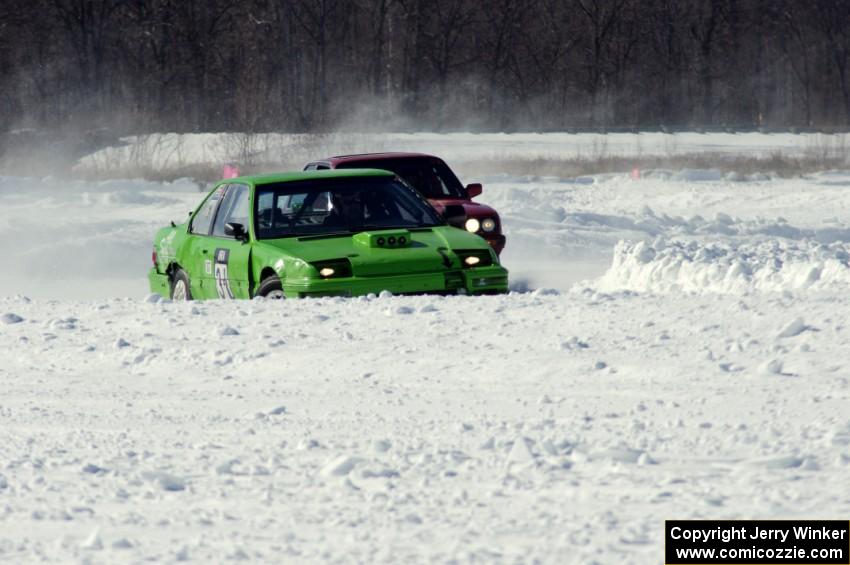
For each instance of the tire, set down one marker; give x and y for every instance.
(180, 289)
(271, 288)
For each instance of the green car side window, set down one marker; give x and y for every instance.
(265, 214)
(294, 203)
(233, 209)
(203, 217)
(265, 201)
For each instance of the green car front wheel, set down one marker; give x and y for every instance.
(271, 288)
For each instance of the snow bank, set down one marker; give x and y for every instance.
(727, 266)
(176, 151)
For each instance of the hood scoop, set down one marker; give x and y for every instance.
(390, 239)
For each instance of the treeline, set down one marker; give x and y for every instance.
(314, 65)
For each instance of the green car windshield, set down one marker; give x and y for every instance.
(340, 205)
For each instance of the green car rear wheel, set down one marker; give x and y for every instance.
(180, 290)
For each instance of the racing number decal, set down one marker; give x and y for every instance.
(222, 281)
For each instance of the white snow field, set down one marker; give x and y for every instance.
(676, 347)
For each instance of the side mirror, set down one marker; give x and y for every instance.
(455, 215)
(235, 230)
(474, 189)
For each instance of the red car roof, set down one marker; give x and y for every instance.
(364, 157)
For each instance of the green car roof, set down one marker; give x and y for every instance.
(293, 176)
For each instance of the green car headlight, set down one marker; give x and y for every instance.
(488, 225)
(475, 258)
(333, 269)
(472, 225)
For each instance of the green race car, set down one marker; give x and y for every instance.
(320, 233)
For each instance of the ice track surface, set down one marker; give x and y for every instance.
(696, 370)
(558, 428)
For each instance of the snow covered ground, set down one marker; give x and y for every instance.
(71, 239)
(558, 428)
(697, 369)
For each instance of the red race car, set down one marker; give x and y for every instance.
(434, 180)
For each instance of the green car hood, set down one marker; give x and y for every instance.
(429, 250)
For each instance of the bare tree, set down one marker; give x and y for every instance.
(250, 65)
(601, 17)
(832, 18)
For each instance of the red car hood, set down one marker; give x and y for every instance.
(472, 209)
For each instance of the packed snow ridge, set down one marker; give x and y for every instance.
(727, 266)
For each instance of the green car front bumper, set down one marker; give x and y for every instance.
(483, 280)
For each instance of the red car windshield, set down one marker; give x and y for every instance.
(431, 177)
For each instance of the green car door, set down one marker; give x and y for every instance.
(194, 255)
(217, 261)
(224, 253)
